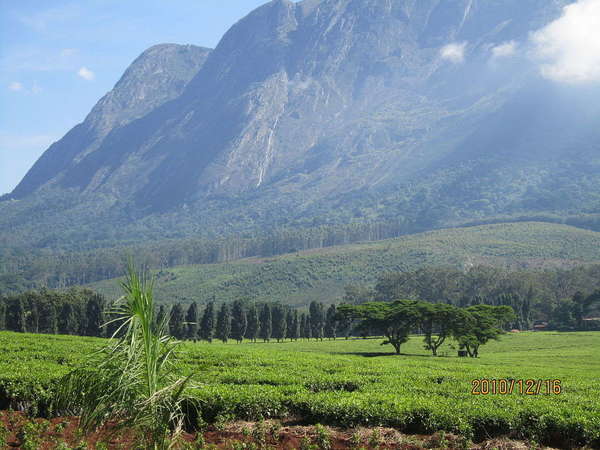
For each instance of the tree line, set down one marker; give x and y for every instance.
(83, 312)
(86, 313)
(251, 321)
(76, 311)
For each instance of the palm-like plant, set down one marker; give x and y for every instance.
(131, 382)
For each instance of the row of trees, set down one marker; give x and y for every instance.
(240, 321)
(76, 311)
(471, 327)
(84, 312)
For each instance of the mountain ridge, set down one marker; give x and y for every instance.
(336, 111)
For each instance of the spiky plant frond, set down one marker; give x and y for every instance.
(131, 381)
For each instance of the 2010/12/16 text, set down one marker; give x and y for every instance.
(503, 386)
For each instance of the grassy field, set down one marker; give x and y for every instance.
(321, 275)
(357, 382)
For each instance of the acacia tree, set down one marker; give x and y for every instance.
(479, 325)
(253, 328)
(438, 322)
(239, 321)
(395, 319)
(207, 325)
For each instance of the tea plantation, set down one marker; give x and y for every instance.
(356, 382)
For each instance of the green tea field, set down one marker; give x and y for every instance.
(350, 383)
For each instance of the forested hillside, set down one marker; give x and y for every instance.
(300, 277)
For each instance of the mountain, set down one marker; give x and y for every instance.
(323, 111)
(157, 76)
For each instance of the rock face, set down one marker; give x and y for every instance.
(157, 76)
(326, 100)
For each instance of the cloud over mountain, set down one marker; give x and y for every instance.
(569, 47)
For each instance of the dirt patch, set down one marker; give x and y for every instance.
(19, 432)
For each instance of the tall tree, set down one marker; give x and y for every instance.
(266, 324)
(67, 322)
(33, 318)
(177, 322)
(294, 331)
(191, 318)
(16, 316)
(331, 322)
(207, 325)
(308, 328)
(239, 321)
(2, 314)
(48, 317)
(289, 319)
(94, 312)
(224, 323)
(317, 319)
(253, 328)
(279, 323)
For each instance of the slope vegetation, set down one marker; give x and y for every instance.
(301, 277)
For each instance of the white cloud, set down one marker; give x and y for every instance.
(86, 74)
(15, 86)
(504, 50)
(569, 47)
(454, 52)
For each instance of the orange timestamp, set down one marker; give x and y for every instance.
(504, 386)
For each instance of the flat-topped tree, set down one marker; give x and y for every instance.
(438, 322)
(480, 324)
(395, 320)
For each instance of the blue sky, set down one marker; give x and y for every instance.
(57, 58)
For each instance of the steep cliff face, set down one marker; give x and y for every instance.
(157, 76)
(399, 105)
